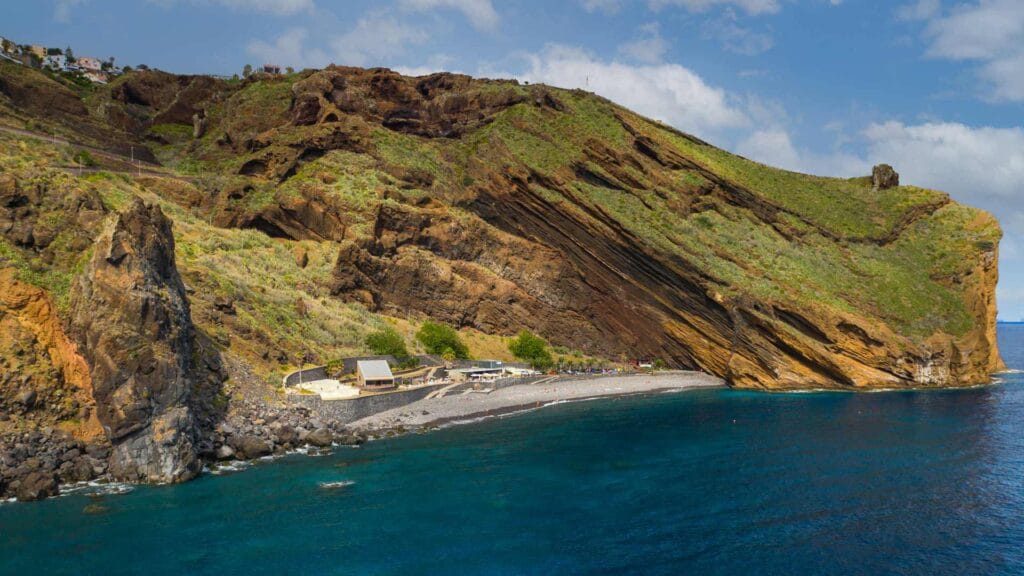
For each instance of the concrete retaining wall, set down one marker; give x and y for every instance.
(307, 375)
(346, 411)
(349, 367)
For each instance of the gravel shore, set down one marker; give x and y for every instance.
(433, 412)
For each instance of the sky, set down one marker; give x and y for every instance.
(830, 87)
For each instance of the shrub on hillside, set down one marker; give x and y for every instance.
(531, 348)
(439, 339)
(387, 342)
(83, 158)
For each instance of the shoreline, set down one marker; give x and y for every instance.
(466, 407)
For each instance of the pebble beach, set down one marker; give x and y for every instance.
(465, 406)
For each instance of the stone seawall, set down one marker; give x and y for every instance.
(346, 411)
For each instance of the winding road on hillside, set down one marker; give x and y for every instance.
(138, 167)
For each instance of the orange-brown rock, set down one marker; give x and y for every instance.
(27, 309)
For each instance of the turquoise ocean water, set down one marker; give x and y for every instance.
(708, 482)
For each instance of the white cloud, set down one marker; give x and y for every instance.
(288, 50)
(773, 146)
(276, 7)
(606, 6)
(375, 40)
(480, 13)
(735, 38)
(667, 92)
(649, 47)
(990, 32)
(920, 10)
(750, 6)
(754, 7)
(62, 10)
(436, 63)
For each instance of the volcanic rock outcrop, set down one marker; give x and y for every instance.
(130, 314)
(884, 177)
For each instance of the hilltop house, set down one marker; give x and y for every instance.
(374, 375)
(89, 63)
(271, 69)
(55, 62)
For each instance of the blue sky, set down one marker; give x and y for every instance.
(934, 87)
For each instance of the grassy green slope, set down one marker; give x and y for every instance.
(837, 258)
(845, 246)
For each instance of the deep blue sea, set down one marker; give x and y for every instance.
(708, 482)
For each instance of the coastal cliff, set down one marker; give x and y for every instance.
(281, 218)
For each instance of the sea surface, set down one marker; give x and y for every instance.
(706, 482)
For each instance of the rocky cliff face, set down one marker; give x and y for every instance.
(130, 315)
(497, 206)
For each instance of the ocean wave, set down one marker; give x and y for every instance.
(232, 466)
(337, 484)
(96, 488)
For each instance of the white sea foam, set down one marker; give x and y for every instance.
(96, 488)
(232, 466)
(338, 484)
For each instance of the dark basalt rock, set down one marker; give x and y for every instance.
(131, 317)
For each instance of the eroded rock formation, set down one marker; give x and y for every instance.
(884, 177)
(131, 317)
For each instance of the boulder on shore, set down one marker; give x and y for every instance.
(225, 452)
(250, 447)
(36, 486)
(321, 438)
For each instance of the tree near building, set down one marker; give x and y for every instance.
(69, 56)
(387, 342)
(531, 348)
(247, 70)
(448, 356)
(439, 338)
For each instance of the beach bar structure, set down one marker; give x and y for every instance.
(374, 375)
(469, 374)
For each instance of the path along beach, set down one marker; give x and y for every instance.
(471, 405)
